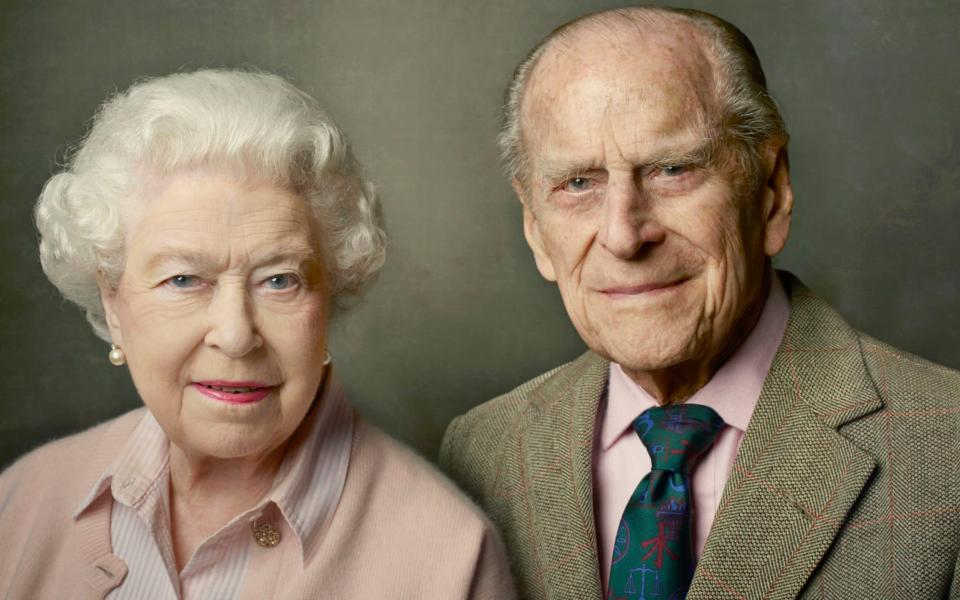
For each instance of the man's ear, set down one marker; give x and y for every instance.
(531, 231)
(108, 296)
(777, 199)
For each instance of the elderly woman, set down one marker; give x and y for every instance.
(209, 225)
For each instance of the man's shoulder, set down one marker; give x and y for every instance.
(506, 406)
(911, 383)
(474, 441)
(904, 381)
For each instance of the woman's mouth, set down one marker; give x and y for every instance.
(234, 392)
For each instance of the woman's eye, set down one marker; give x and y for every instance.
(577, 185)
(183, 281)
(282, 281)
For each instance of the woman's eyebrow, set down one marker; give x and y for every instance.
(177, 255)
(293, 254)
(174, 254)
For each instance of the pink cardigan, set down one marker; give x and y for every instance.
(400, 530)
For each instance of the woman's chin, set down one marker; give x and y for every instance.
(227, 443)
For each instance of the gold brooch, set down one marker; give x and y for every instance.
(266, 535)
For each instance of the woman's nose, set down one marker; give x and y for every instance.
(232, 327)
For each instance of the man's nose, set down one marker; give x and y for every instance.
(231, 322)
(628, 223)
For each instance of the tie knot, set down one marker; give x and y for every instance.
(676, 435)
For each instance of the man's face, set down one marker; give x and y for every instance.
(655, 237)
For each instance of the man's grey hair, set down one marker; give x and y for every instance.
(750, 116)
(256, 126)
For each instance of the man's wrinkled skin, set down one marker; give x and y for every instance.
(638, 208)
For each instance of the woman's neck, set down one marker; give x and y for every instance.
(206, 493)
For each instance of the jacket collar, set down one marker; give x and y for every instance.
(557, 457)
(796, 476)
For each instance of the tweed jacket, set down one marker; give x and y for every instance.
(846, 485)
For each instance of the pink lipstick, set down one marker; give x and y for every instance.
(234, 392)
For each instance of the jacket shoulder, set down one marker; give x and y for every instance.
(473, 444)
(910, 383)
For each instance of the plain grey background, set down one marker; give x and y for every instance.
(870, 91)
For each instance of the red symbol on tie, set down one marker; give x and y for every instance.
(658, 544)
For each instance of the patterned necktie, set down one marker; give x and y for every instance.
(653, 550)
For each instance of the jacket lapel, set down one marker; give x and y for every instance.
(557, 450)
(796, 476)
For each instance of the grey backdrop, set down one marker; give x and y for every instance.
(870, 91)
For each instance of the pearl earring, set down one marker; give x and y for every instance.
(327, 359)
(116, 356)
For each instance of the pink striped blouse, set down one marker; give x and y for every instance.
(304, 495)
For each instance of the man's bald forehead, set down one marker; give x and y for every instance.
(624, 33)
(657, 55)
(647, 52)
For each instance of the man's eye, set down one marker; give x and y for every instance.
(183, 281)
(577, 185)
(674, 170)
(282, 281)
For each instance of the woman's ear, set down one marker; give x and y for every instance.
(108, 297)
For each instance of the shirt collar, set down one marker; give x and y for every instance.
(141, 461)
(306, 488)
(310, 481)
(734, 389)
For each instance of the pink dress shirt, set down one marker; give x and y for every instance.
(621, 460)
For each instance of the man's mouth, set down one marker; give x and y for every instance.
(643, 288)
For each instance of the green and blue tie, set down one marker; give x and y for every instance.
(653, 550)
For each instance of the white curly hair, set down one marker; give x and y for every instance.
(256, 125)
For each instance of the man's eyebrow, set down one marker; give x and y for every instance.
(703, 152)
(555, 171)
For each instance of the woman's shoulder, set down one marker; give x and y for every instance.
(406, 528)
(69, 462)
(389, 469)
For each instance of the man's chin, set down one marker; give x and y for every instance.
(644, 362)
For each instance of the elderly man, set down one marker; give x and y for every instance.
(728, 435)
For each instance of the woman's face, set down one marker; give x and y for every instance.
(221, 311)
